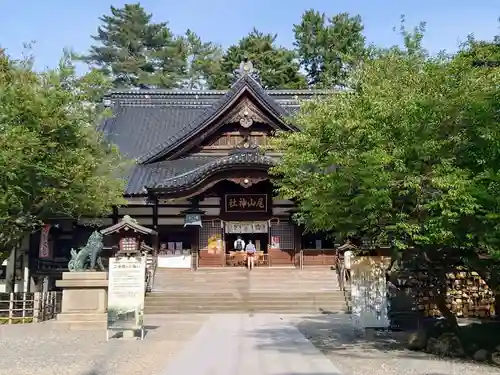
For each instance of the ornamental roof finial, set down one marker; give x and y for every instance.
(246, 68)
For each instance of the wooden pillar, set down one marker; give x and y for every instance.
(195, 239)
(155, 213)
(115, 215)
(297, 240)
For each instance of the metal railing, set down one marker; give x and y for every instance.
(151, 264)
(323, 254)
(343, 280)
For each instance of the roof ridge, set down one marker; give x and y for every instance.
(238, 158)
(245, 82)
(174, 93)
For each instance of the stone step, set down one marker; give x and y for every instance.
(277, 291)
(245, 294)
(84, 326)
(243, 271)
(262, 290)
(239, 278)
(263, 303)
(239, 290)
(262, 310)
(81, 317)
(253, 275)
(245, 277)
(306, 287)
(237, 301)
(244, 308)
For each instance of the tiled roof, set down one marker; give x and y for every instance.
(137, 128)
(146, 124)
(202, 172)
(180, 173)
(200, 122)
(154, 173)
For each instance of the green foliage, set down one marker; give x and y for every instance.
(410, 157)
(329, 48)
(52, 160)
(133, 51)
(201, 60)
(278, 66)
(482, 53)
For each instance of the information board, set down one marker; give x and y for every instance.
(126, 294)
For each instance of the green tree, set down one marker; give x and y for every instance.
(409, 158)
(481, 53)
(201, 60)
(329, 48)
(278, 66)
(53, 162)
(133, 51)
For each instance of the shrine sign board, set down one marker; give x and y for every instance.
(126, 292)
(246, 202)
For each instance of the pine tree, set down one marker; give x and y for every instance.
(201, 60)
(328, 48)
(133, 51)
(278, 66)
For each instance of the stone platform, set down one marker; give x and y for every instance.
(84, 302)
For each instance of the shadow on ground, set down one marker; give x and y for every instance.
(334, 333)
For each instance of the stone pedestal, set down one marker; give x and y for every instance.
(85, 299)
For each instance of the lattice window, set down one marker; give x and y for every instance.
(285, 231)
(210, 228)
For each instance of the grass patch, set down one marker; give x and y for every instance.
(15, 320)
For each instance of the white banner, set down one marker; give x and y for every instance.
(259, 227)
(369, 291)
(44, 250)
(237, 227)
(126, 293)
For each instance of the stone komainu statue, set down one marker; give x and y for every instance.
(89, 256)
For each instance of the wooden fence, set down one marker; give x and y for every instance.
(29, 307)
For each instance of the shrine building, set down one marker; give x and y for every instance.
(201, 175)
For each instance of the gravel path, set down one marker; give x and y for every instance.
(50, 349)
(354, 355)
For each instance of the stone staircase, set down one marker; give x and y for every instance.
(237, 290)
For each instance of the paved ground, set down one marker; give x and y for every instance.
(242, 344)
(49, 349)
(219, 345)
(354, 355)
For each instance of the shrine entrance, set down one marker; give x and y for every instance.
(255, 231)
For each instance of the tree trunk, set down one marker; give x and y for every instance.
(451, 319)
(439, 273)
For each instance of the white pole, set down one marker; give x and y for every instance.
(26, 276)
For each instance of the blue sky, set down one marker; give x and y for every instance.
(55, 24)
